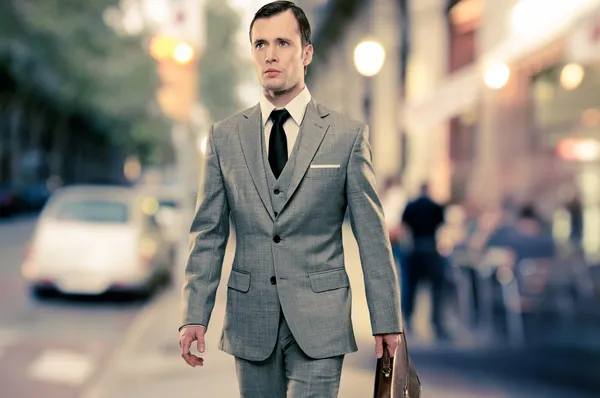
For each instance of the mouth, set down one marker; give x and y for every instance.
(272, 72)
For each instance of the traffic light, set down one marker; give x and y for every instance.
(177, 70)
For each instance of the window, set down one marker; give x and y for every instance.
(171, 204)
(94, 211)
(464, 17)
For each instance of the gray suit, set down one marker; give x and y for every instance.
(289, 258)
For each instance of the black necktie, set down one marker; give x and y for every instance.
(278, 151)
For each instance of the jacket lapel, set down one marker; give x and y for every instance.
(312, 132)
(249, 132)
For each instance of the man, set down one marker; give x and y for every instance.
(285, 171)
(423, 217)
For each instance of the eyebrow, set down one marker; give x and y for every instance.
(258, 41)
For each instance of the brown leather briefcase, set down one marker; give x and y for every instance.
(399, 380)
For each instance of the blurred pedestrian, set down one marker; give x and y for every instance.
(285, 171)
(527, 238)
(393, 201)
(423, 217)
(575, 209)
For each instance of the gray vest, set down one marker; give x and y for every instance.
(278, 188)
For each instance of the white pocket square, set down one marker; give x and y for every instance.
(324, 166)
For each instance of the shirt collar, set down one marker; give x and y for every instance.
(296, 107)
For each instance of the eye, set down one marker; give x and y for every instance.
(283, 43)
(259, 45)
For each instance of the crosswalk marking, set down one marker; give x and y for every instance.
(7, 338)
(62, 366)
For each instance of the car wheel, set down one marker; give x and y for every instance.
(42, 292)
(165, 278)
(146, 291)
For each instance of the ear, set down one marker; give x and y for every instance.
(308, 54)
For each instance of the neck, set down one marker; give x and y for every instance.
(283, 97)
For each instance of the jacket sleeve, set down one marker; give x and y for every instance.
(368, 225)
(208, 240)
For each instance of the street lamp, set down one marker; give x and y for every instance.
(496, 76)
(571, 76)
(369, 57)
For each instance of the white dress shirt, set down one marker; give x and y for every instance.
(296, 108)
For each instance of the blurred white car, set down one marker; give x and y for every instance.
(94, 239)
(172, 218)
(174, 214)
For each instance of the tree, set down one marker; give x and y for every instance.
(62, 65)
(220, 66)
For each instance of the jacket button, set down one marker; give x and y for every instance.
(273, 280)
(276, 191)
(276, 239)
(276, 214)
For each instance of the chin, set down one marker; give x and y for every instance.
(274, 87)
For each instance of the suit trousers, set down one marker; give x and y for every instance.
(289, 372)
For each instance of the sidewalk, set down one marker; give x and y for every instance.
(149, 364)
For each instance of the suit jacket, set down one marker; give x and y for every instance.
(300, 248)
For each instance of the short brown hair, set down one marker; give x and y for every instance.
(278, 7)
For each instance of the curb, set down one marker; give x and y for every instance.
(145, 318)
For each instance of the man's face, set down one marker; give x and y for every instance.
(277, 52)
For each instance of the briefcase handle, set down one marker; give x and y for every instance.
(387, 367)
(387, 364)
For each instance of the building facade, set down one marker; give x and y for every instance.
(335, 81)
(497, 103)
(514, 113)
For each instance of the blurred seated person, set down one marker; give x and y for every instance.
(527, 238)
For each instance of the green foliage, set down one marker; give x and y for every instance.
(63, 51)
(220, 64)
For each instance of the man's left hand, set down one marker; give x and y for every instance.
(391, 340)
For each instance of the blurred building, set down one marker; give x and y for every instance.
(440, 53)
(495, 100)
(479, 75)
(333, 78)
(500, 102)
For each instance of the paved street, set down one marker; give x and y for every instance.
(148, 364)
(113, 348)
(53, 348)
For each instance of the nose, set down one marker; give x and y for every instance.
(271, 55)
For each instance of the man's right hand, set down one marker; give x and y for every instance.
(186, 337)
